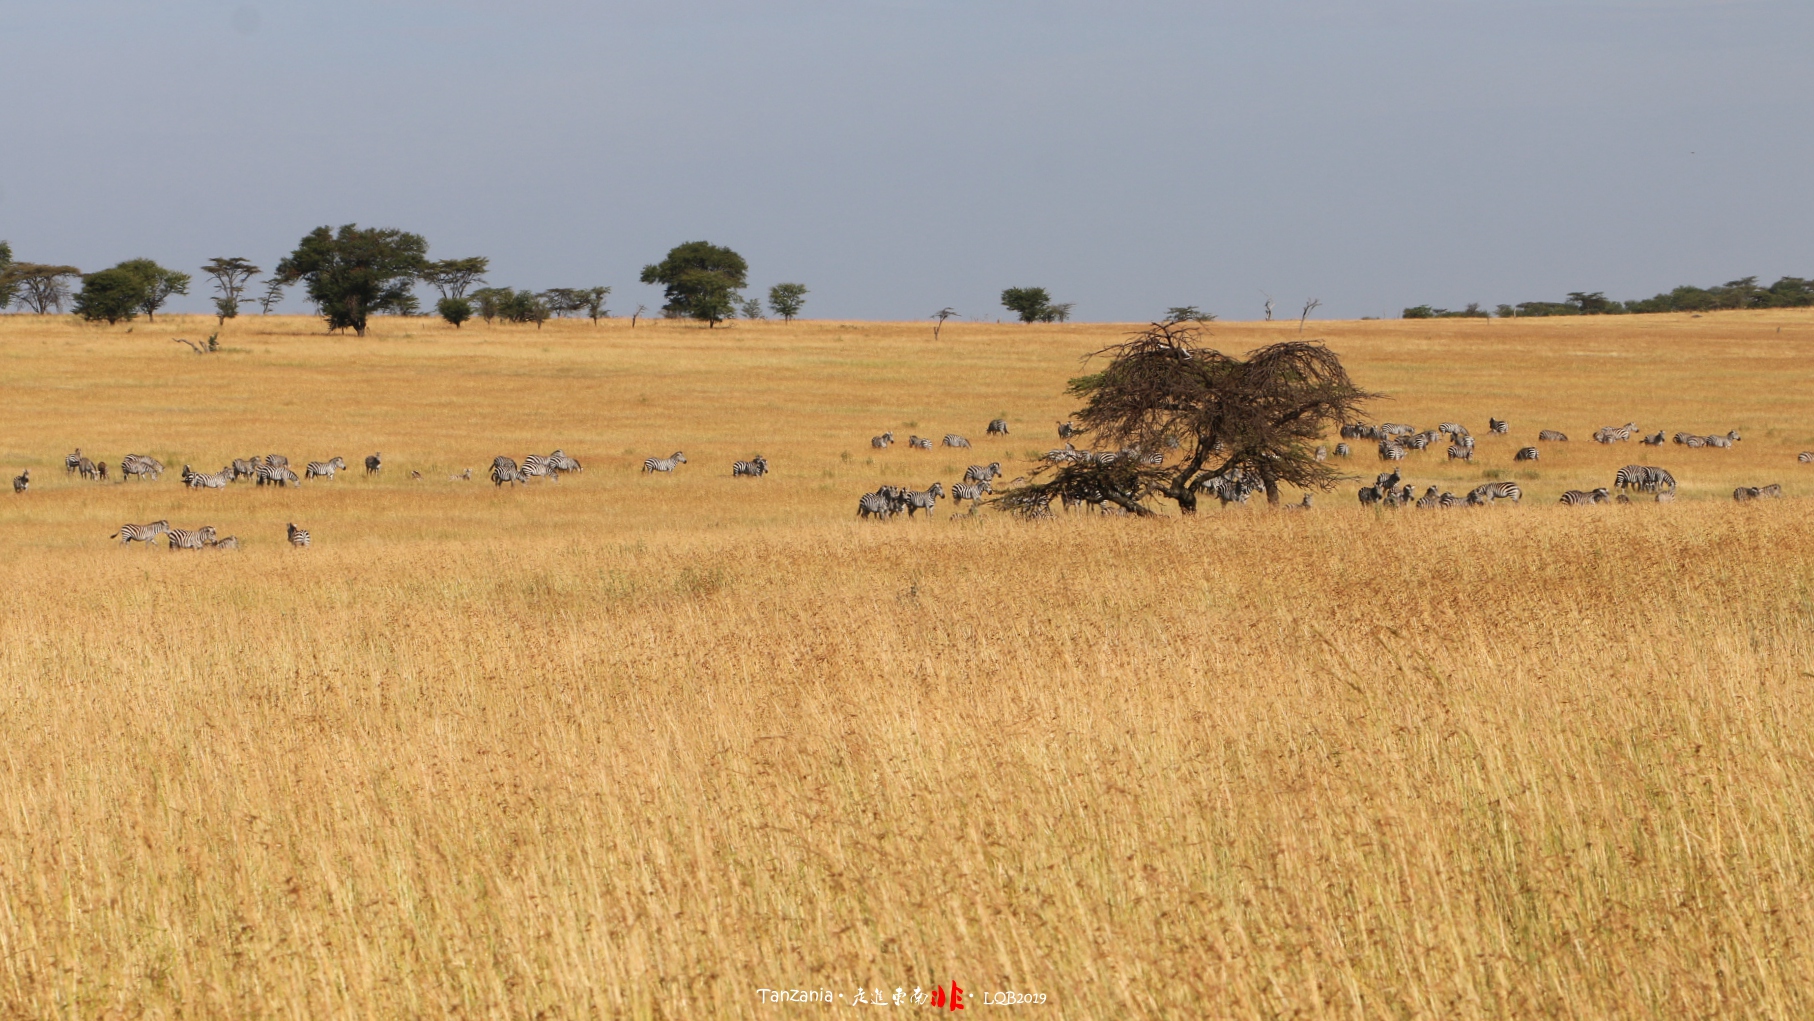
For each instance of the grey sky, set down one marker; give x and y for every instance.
(901, 156)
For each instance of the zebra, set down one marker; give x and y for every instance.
(1429, 499)
(1643, 478)
(1068, 454)
(1369, 495)
(1498, 425)
(1615, 433)
(1805, 457)
(277, 460)
(1389, 451)
(244, 468)
(954, 440)
(1452, 429)
(1653, 441)
(537, 466)
(1451, 500)
(268, 474)
(465, 476)
(1417, 441)
(1553, 436)
(503, 470)
(1577, 498)
(882, 441)
(1234, 487)
(883, 503)
(146, 534)
(1483, 496)
(751, 468)
(560, 462)
(1066, 430)
(983, 472)
(374, 463)
(1397, 429)
(972, 491)
(297, 536)
(139, 465)
(1771, 492)
(88, 469)
(926, 501)
(1745, 493)
(1525, 454)
(919, 443)
(1457, 452)
(226, 542)
(1690, 441)
(1387, 480)
(184, 538)
(72, 461)
(1666, 496)
(664, 464)
(1719, 442)
(998, 427)
(22, 481)
(1341, 450)
(212, 480)
(324, 469)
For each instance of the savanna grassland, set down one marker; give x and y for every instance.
(629, 746)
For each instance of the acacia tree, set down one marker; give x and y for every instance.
(114, 295)
(40, 287)
(786, 300)
(160, 284)
(1231, 418)
(699, 279)
(230, 277)
(272, 295)
(357, 272)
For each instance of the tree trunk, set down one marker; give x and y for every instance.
(1187, 502)
(1272, 492)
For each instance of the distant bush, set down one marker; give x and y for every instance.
(1473, 311)
(1787, 292)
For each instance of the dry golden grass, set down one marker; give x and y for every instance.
(629, 746)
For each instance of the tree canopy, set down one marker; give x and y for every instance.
(160, 284)
(452, 277)
(230, 277)
(1231, 419)
(1034, 305)
(113, 295)
(40, 287)
(786, 300)
(357, 272)
(699, 280)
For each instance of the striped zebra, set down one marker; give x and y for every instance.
(1553, 436)
(374, 463)
(225, 542)
(139, 466)
(1526, 454)
(503, 470)
(88, 469)
(268, 474)
(184, 538)
(1805, 457)
(297, 536)
(1451, 500)
(277, 460)
(72, 461)
(919, 443)
(1417, 441)
(1429, 499)
(1369, 495)
(1066, 430)
(244, 468)
(1386, 480)
(1064, 456)
(1744, 494)
(983, 472)
(147, 534)
(1653, 441)
(1483, 496)
(1666, 496)
(1615, 433)
(1577, 498)
(926, 501)
(209, 480)
(1498, 426)
(1694, 442)
(972, 491)
(879, 442)
(954, 440)
(22, 481)
(535, 466)
(1397, 429)
(1719, 442)
(1234, 487)
(1643, 478)
(1389, 451)
(323, 469)
(1452, 428)
(1341, 450)
(1457, 452)
(884, 503)
(560, 462)
(664, 464)
(751, 468)
(998, 427)
(1771, 492)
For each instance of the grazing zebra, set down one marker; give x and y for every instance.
(537, 466)
(1457, 452)
(1482, 496)
(983, 472)
(1452, 428)
(881, 441)
(1498, 425)
(1369, 495)
(298, 536)
(1577, 498)
(1429, 499)
(998, 427)
(751, 468)
(211, 480)
(183, 538)
(1525, 454)
(1417, 441)
(146, 534)
(664, 464)
(374, 463)
(972, 491)
(954, 440)
(324, 469)
(1643, 478)
(1805, 457)
(1389, 451)
(72, 461)
(1653, 441)
(926, 501)
(1553, 436)
(1341, 450)
(919, 443)
(138, 465)
(560, 462)
(268, 474)
(1066, 430)
(503, 470)
(88, 469)
(228, 542)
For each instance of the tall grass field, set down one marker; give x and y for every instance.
(650, 746)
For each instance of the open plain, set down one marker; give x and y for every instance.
(643, 746)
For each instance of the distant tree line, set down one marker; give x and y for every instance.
(1745, 292)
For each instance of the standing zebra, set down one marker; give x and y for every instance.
(1643, 478)
(1498, 425)
(919, 443)
(22, 481)
(1387, 480)
(1457, 452)
(972, 491)
(374, 463)
(998, 427)
(751, 468)
(664, 464)
(1066, 430)
(1429, 499)
(1805, 457)
(147, 534)
(138, 466)
(926, 501)
(1390, 451)
(503, 470)
(244, 468)
(560, 462)
(1369, 495)
(324, 469)
(298, 536)
(954, 440)
(87, 469)
(537, 466)
(983, 472)
(1552, 436)
(1451, 500)
(1341, 450)
(72, 461)
(883, 503)
(268, 474)
(879, 442)
(1525, 454)
(183, 538)
(1483, 496)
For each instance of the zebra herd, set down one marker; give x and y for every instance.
(201, 538)
(1386, 492)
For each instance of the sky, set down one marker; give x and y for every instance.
(899, 156)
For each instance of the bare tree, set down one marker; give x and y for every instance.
(1268, 306)
(941, 315)
(1233, 420)
(640, 309)
(1310, 305)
